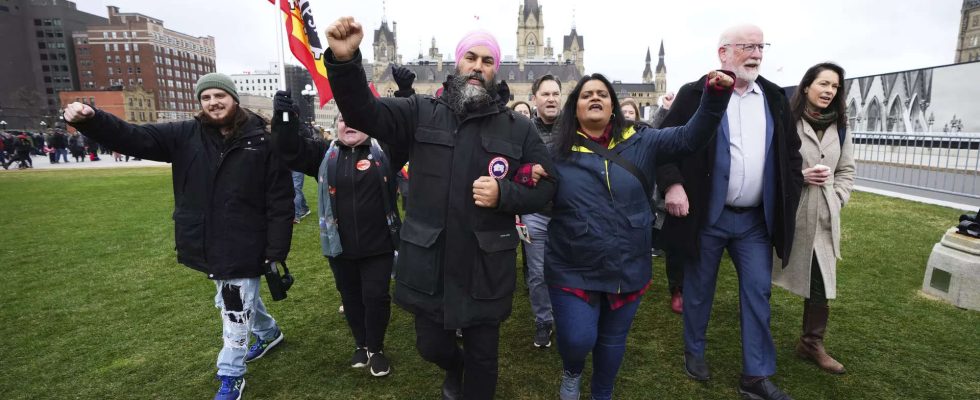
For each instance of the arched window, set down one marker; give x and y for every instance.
(895, 121)
(532, 45)
(874, 116)
(851, 114)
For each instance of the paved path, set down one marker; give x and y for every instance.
(43, 162)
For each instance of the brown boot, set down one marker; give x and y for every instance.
(811, 341)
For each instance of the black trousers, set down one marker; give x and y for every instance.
(674, 267)
(478, 357)
(363, 286)
(818, 294)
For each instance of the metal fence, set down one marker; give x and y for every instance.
(937, 162)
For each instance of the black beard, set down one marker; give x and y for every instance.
(218, 123)
(462, 96)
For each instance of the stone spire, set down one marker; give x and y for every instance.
(647, 72)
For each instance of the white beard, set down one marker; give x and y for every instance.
(471, 92)
(745, 75)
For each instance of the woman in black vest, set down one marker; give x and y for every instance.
(358, 222)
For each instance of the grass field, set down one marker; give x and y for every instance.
(94, 306)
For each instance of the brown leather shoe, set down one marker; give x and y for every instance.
(810, 346)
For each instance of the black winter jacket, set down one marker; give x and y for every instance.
(456, 260)
(58, 140)
(233, 203)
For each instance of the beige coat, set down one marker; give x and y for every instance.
(818, 217)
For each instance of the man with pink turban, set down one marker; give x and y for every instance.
(455, 266)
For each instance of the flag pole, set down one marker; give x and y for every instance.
(279, 49)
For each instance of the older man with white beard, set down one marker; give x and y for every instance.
(455, 266)
(743, 190)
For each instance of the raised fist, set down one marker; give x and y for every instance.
(721, 79)
(404, 77)
(77, 112)
(666, 100)
(344, 37)
(283, 102)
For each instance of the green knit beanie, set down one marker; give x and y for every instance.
(216, 80)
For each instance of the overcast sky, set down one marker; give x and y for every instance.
(866, 37)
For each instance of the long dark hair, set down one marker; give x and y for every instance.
(568, 121)
(798, 102)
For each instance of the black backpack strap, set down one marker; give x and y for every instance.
(622, 162)
(842, 134)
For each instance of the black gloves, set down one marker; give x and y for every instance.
(403, 77)
(283, 102)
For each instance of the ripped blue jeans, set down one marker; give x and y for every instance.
(242, 312)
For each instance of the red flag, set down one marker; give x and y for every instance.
(305, 43)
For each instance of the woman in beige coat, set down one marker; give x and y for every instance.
(828, 171)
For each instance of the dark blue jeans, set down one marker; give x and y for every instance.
(581, 327)
(299, 201)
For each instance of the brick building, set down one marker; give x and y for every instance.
(38, 58)
(133, 105)
(136, 50)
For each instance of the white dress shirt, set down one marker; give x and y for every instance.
(747, 144)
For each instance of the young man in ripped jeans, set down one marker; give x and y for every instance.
(233, 207)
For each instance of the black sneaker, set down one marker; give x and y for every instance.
(696, 367)
(762, 389)
(360, 358)
(542, 335)
(379, 364)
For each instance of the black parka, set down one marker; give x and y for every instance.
(456, 260)
(230, 214)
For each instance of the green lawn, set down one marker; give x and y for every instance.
(95, 307)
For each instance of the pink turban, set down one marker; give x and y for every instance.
(475, 39)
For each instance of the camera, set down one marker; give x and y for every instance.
(279, 282)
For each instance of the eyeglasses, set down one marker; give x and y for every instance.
(749, 46)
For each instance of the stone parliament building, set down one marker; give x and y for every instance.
(968, 40)
(535, 57)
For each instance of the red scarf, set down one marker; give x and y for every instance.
(604, 139)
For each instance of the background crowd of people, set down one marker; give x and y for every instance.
(17, 148)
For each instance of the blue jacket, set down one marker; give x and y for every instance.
(600, 233)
